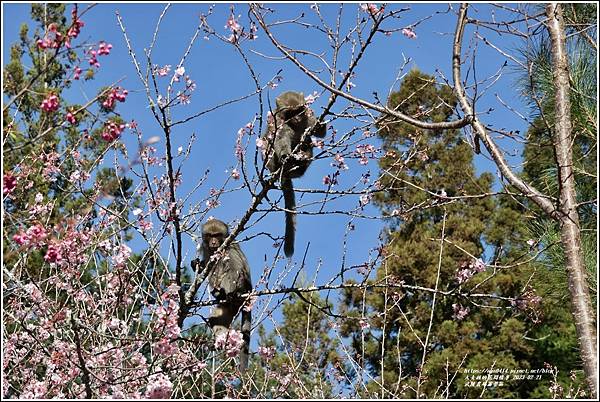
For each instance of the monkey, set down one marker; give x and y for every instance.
(228, 279)
(290, 130)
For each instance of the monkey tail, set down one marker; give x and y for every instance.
(290, 217)
(246, 326)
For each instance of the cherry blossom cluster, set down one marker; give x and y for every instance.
(75, 28)
(143, 224)
(103, 50)
(460, 312)
(38, 209)
(159, 387)
(9, 183)
(364, 200)
(266, 353)
(166, 322)
(409, 33)
(311, 98)
(52, 39)
(179, 72)
(371, 8)
(66, 252)
(121, 255)
(237, 31)
(184, 96)
(235, 174)
(70, 117)
(338, 162)
(317, 142)
(365, 152)
(262, 143)
(51, 162)
(530, 303)
(112, 131)
(162, 71)
(468, 269)
(34, 236)
(76, 73)
(239, 148)
(234, 27)
(114, 95)
(230, 341)
(50, 104)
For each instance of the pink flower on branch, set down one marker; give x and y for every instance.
(234, 27)
(231, 341)
(115, 94)
(21, 238)
(371, 8)
(50, 104)
(409, 33)
(460, 312)
(10, 183)
(159, 387)
(104, 48)
(112, 131)
(266, 353)
(70, 117)
(77, 73)
(162, 71)
(53, 254)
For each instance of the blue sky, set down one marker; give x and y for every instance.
(221, 75)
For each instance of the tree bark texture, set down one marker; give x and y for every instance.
(568, 216)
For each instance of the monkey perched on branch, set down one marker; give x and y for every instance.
(229, 278)
(289, 145)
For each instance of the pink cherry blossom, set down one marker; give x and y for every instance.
(261, 144)
(409, 33)
(53, 254)
(266, 353)
(112, 131)
(460, 312)
(10, 183)
(464, 275)
(71, 118)
(370, 8)
(77, 73)
(115, 94)
(365, 199)
(339, 162)
(123, 252)
(162, 71)
(37, 234)
(50, 104)
(104, 49)
(21, 238)
(478, 265)
(231, 341)
(159, 387)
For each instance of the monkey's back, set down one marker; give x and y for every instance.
(231, 274)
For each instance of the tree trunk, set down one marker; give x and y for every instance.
(568, 216)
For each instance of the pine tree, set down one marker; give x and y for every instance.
(423, 168)
(300, 359)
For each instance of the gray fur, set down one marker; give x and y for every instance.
(229, 278)
(292, 118)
